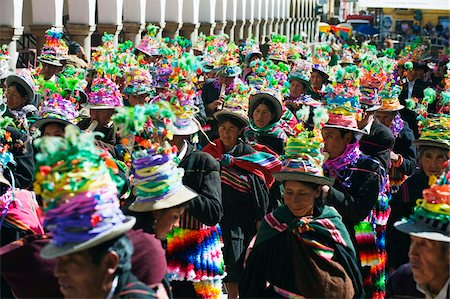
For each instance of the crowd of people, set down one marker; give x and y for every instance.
(173, 169)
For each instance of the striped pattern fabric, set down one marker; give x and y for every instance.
(235, 180)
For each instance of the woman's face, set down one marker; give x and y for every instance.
(166, 220)
(299, 198)
(14, 100)
(316, 80)
(229, 134)
(296, 88)
(53, 129)
(432, 161)
(262, 116)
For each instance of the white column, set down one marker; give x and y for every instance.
(257, 20)
(264, 20)
(134, 19)
(155, 13)
(249, 18)
(282, 14)
(11, 28)
(272, 16)
(174, 18)
(110, 16)
(220, 16)
(277, 16)
(81, 23)
(231, 18)
(190, 19)
(207, 16)
(240, 20)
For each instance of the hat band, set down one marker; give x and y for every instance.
(342, 120)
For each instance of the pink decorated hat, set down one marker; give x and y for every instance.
(104, 94)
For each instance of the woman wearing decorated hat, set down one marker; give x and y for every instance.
(318, 79)
(265, 110)
(284, 262)
(403, 155)
(433, 147)
(198, 237)
(19, 98)
(55, 113)
(104, 98)
(429, 230)
(246, 177)
(299, 87)
(138, 86)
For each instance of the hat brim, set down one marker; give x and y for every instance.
(303, 80)
(6, 74)
(431, 143)
(236, 72)
(320, 71)
(51, 62)
(189, 130)
(302, 177)
(149, 53)
(100, 107)
(184, 194)
(43, 121)
(3, 180)
(398, 108)
(51, 251)
(17, 79)
(371, 108)
(354, 130)
(420, 230)
(276, 58)
(221, 114)
(278, 108)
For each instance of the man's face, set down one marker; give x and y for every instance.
(429, 260)
(49, 70)
(79, 277)
(411, 74)
(335, 143)
(226, 80)
(385, 117)
(432, 161)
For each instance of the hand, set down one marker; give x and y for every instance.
(214, 105)
(394, 157)
(325, 190)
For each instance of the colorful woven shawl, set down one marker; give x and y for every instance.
(252, 132)
(258, 163)
(326, 228)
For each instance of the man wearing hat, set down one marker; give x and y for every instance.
(433, 147)
(412, 88)
(298, 88)
(378, 141)
(429, 256)
(53, 53)
(403, 154)
(93, 255)
(213, 93)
